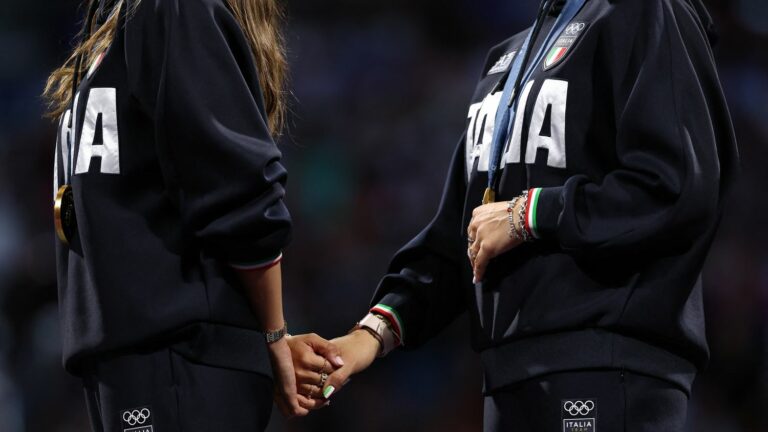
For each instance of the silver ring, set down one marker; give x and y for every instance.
(470, 240)
(323, 379)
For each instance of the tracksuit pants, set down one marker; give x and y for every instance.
(588, 401)
(162, 391)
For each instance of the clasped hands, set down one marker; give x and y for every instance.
(315, 369)
(320, 369)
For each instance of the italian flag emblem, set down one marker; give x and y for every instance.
(567, 38)
(555, 55)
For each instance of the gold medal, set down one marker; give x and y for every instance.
(489, 196)
(64, 214)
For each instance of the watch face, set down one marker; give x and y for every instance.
(380, 327)
(381, 324)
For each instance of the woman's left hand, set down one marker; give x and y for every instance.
(314, 359)
(488, 235)
(286, 395)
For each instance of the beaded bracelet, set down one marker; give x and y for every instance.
(524, 234)
(511, 217)
(517, 228)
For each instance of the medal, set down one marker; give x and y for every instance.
(489, 196)
(64, 214)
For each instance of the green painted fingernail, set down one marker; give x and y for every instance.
(328, 391)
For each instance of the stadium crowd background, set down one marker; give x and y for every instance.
(381, 92)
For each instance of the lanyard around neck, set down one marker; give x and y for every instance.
(505, 113)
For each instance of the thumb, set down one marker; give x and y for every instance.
(335, 382)
(328, 350)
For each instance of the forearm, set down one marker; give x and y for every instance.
(264, 289)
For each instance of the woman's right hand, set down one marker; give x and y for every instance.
(359, 349)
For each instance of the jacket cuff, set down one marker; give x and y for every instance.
(391, 314)
(258, 265)
(543, 211)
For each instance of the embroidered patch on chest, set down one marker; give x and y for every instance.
(137, 419)
(579, 415)
(502, 64)
(563, 44)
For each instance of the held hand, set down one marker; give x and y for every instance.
(489, 235)
(314, 358)
(286, 396)
(359, 349)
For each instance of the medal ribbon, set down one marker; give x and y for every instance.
(505, 113)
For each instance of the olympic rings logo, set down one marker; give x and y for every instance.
(137, 416)
(574, 28)
(579, 407)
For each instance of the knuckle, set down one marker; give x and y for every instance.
(305, 358)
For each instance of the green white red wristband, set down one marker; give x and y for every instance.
(264, 265)
(394, 320)
(530, 212)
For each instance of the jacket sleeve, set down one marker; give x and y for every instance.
(191, 68)
(675, 147)
(421, 294)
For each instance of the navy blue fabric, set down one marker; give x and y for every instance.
(200, 185)
(620, 401)
(626, 225)
(505, 114)
(179, 395)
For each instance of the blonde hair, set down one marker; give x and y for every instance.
(259, 20)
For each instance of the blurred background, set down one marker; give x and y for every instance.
(381, 94)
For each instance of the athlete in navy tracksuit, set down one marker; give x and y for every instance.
(624, 145)
(177, 191)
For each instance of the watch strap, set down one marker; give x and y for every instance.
(273, 336)
(380, 326)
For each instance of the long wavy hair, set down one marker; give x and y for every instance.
(260, 21)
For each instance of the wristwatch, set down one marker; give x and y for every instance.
(379, 327)
(276, 335)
